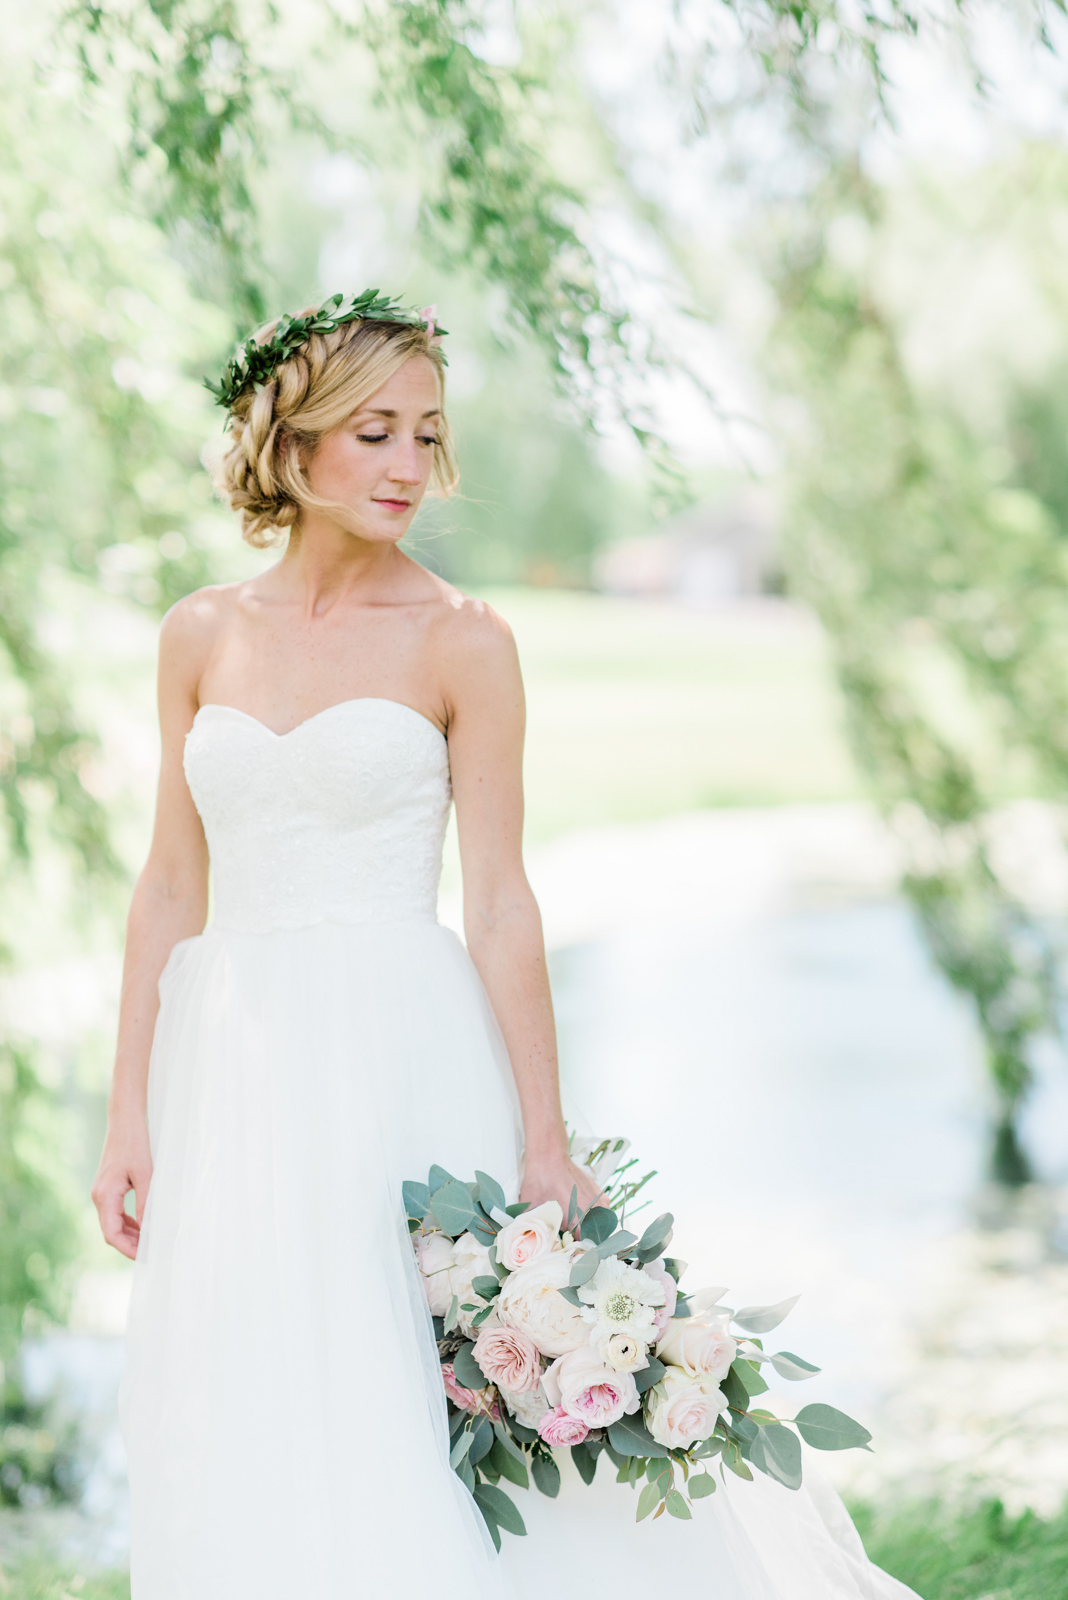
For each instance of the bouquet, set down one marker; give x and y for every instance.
(573, 1333)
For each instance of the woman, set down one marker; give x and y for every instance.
(279, 1074)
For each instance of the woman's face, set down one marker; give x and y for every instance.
(378, 464)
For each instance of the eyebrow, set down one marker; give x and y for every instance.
(375, 412)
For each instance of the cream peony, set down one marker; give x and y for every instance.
(587, 1390)
(684, 1409)
(435, 1256)
(621, 1299)
(471, 1261)
(530, 1302)
(527, 1408)
(531, 1236)
(701, 1346)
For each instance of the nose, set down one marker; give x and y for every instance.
(405, 465)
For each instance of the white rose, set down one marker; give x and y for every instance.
(434, 1254)
(531, 1236)
(701, 1346)
(529, 1301)
(526, 1408)
(684, 1409)
(471, 1261)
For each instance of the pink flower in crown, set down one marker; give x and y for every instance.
(476, 1401)
(558, 1428)
(429, 315)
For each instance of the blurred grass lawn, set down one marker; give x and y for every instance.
(639, 710)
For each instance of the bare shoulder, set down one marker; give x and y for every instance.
(470, 635)
(192, 626)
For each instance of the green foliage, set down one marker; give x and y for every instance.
(38, 1237)
(942, 578)
(43, 1577)
(37, 1455)
(972, 1554)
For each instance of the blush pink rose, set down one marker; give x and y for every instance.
(509, 1358)
(584, 1387)
(557, 1428)
(473, 1400)
(663, 1314)
(530, 1236)
(701, 1346)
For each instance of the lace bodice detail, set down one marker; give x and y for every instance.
(340, 820)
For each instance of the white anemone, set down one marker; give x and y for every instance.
(621, 1299)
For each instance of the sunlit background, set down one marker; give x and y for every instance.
(758, 365)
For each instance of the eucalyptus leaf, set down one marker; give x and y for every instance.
(676, 1267)
(416, 1198)
(466, 1472)
(630, 1437)
(649, 1375)
(761, 1319)
(501, 1508)
(827, 1429)
(507, 1443)
(438, 1176)
(461, 1447)
(749, 1377)
(486, 1288)
(787, 1365)
(571, 1295)
(490, 1192)
(700, 1485)
(546, 1474)
(488, 1518)
(517, 1208)
(482, 1439)
(507, 1464)
(453, 1207)
(585, 1463)
(656, 1234)
(677, 1506)
(648, 1501)
(584, 1268)
(598, 1224)
(467, 1370)
(612, 1246)
(781, 1453)
(450, 1320)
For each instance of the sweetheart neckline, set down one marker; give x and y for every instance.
(339, 705)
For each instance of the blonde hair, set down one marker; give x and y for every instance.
(311, 394)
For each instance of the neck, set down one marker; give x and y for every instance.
(325, 563)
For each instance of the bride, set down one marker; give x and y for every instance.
(279, 1073)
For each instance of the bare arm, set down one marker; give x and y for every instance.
(501, 918)
(169, 903)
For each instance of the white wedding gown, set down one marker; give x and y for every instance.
(323, 1040)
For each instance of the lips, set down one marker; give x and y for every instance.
(394, 505)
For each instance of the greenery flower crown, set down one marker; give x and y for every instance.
(255, 363)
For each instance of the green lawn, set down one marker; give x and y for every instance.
(639, 710)
(981, 1554)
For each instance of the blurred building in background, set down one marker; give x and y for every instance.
(712, 553)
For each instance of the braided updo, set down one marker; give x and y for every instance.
(312, 394)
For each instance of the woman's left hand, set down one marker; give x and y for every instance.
(554, 1179)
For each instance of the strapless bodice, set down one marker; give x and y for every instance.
(340, 820)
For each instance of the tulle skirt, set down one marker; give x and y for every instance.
(282, 1406)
